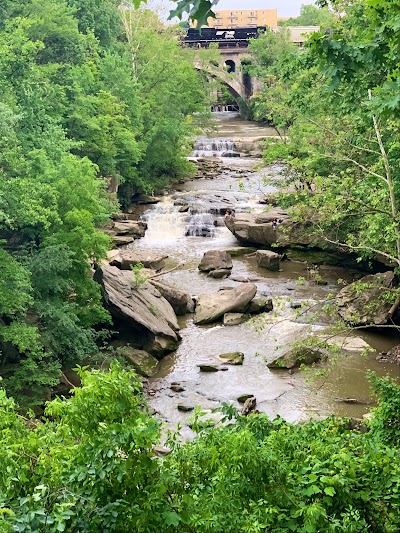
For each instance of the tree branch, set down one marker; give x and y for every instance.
(366, 169)
(366, 248)
(361, 148)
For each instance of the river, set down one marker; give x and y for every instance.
(184, 237)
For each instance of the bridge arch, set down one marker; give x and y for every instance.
(234, 86)
(230, 65)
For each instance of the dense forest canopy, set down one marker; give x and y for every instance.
(90, 91)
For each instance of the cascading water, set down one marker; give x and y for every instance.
(200, 225)
(165, 222)
(221, 108)
(204, 147)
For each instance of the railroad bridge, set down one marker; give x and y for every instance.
(233, 47)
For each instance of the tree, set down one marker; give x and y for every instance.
(311, 15)
(343, 138)
(89, 464)
(73, 115)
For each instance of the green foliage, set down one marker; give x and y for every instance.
(197, 10)
(311, 15)
(89, 468)
(91, 93)
(335, 110)
(138, 277)
(386, 420)
(89, 465)
(15, 286)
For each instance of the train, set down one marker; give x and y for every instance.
(223, 37)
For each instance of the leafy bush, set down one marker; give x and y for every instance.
(89, 465)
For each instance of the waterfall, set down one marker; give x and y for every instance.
(214, 148)
(200, 225)
(221, 108)
(166, 223)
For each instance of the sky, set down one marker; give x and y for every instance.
(286, 8)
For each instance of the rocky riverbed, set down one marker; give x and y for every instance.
(186, 224)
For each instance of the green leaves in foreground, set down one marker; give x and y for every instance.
(198, 10)
(89, 465)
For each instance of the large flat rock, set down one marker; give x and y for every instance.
(180, 300)
(128, 258)
(144, 364)
(150, 317)
(258, 229)
(135, 228)
(212, 306)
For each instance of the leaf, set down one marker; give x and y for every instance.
(171, 518)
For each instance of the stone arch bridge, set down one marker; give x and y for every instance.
(230, 70)
(233, 47)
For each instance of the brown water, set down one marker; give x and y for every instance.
(295, 396)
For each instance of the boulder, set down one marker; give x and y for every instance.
(230, 154)
(296, 357)
(210, 307)
(245, 279)
(121, 240)
(180, 300)
(350, 344)
(233, 319)
(232, 358)
(128, 258)
(268, 259)
(127, 216)
(260, 304)
(220, 273)
(243, 397)
(240, 250)
(144, 199)
(249, 406)
(208, 368)
(134, 228)
(176, 387)
(258, 229)
(148, 316)
(216, 260)
(144, 364)
(161, 451)
(185, 408)
(392, 356)
(111, 254)
(363, 302)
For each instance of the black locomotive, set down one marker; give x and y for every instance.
(223, 37)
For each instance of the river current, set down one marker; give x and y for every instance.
(184, 236)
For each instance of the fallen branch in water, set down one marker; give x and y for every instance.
(166, 271)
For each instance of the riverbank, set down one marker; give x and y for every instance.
(184, 225)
